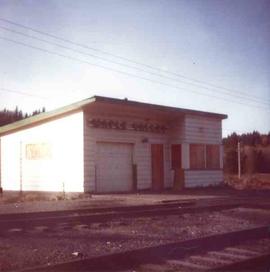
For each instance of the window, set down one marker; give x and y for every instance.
(197, 156)
(212, 157)
(204, 156)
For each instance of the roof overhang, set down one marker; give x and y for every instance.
(124, 103)
(95, 104)
(44, 117)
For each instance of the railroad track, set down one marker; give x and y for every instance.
(25, 222)
(244, 250)
(175, 204)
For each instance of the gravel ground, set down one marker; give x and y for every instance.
(31, 202)
(45, 247)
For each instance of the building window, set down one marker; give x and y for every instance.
(204, 156)
(197, 156)
(212, 157)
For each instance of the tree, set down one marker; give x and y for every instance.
(254, 139)
(9, 116)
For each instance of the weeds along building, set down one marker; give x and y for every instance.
(110, 145)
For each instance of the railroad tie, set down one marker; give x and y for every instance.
(243, 251)
(209, 259)
(228, 255)
(187, 264)
(152, 268)
(41, 228)
(12, 230)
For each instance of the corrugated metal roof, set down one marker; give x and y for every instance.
(81, 105)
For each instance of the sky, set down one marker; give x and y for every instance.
(210, 55)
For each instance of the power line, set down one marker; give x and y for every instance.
(128, 60)
(28, 94)
(130, 66)
(226, 130)
(22, 93)
(123, 72)
(231, 130)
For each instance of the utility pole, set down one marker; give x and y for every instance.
(239, 159)
(21, 168)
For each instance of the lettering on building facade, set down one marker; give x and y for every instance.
(123, 125)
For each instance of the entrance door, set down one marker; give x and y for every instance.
(157, 167)
(176, 156)
(114, 167)
(178, 179)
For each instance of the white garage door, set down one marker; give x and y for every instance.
(114, 167)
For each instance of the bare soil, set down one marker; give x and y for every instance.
(248, 181)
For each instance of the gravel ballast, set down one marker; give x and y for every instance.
(42, 246)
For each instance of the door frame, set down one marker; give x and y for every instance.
(161, 183)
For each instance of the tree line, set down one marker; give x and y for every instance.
(255, 152)
(254, 138)
(10, 116)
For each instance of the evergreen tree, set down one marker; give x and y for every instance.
(9, 116)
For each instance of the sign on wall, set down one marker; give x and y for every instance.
(38, 151)
(123, 125)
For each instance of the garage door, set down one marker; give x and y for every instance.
(114, 167)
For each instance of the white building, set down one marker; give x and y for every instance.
(110, 145)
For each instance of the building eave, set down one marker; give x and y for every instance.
(44, 117)
(82, 105)
(159, 107)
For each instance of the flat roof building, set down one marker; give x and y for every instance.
(104, 144)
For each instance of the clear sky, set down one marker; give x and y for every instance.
(211, 55)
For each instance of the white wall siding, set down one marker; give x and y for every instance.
(185, 155)
(177, 129)
(61, 169)
(141, 152)
(199, 129)
(203, 178)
